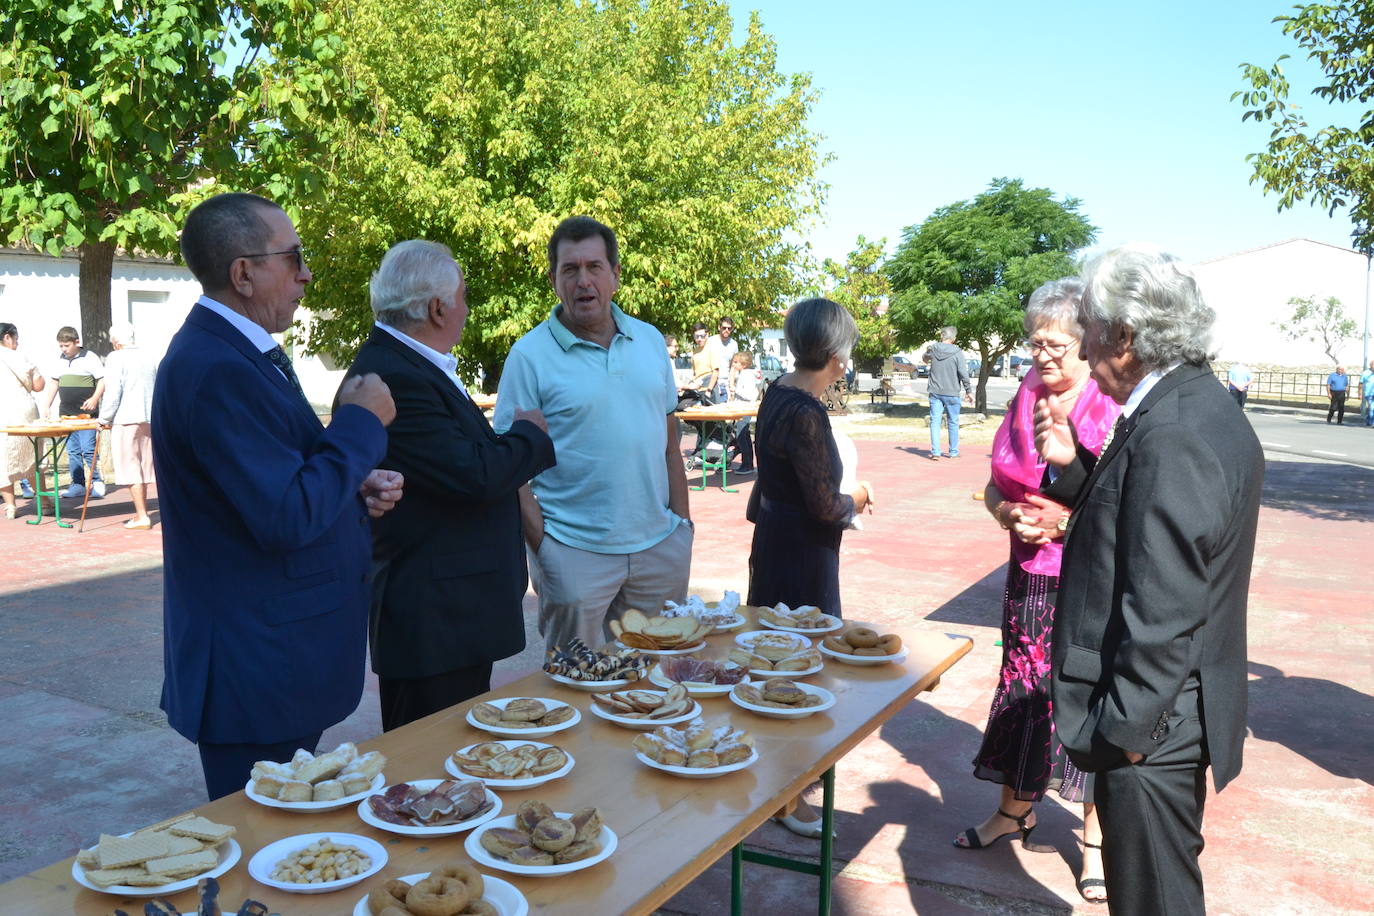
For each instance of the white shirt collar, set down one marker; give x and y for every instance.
(255, 333)
(447, 362)
(1143, 387)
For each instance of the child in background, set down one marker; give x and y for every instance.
(744, 386)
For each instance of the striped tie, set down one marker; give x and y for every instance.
(277, 357)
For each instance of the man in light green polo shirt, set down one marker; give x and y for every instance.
(608, 527)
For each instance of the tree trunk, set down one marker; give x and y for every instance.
(97, 266)
(980, 396)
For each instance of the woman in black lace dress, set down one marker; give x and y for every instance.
(796, 506)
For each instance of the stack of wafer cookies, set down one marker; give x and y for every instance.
(173, 850)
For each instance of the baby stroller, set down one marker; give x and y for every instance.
(710, 443)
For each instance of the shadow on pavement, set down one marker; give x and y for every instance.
(1328, 723)
(1334, 492)
(979, 605)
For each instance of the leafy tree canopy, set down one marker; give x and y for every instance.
(861, 286)
(1333, 165)
(489, 121)
(116, 115)
(973, 264)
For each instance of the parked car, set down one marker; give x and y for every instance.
(769, 368)
(923, 370)
(904, 366)
(999, 367)
(974, 366)
(1020, 365)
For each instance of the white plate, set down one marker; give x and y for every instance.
(777, 712)
(699, 772)
(806, 672)
(687, 651)
(365, 812)
(587, 686)
(266, 859)
(862, 659)
(525, 783)
(694, 688)
(832, 624)
(747, 639)
(229, 853)
(739, 621)
(378, 781)
(526, 732)
(473, 845)
(647, 724)
(503, 895)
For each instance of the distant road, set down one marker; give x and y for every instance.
(1280, 430)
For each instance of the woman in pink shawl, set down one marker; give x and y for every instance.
(1019, 749)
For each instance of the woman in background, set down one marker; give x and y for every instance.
(19, 379)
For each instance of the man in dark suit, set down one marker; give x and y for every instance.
(1149, 678)
(450, 560)
(265, 536)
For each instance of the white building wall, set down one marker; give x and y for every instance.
(39, 294)
(1250, 291)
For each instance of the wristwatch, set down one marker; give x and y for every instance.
(1062, 524)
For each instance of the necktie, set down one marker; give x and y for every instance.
(277, 357)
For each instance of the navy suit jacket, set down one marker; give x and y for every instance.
(450, 558)
(1156, 575)
(266, 543)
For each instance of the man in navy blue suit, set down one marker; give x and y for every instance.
(265, 532)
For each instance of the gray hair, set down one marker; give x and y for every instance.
(948, 333)
(817, 329)
(410, 275)
(1055, 303)
(1154, 294)
(121, 332)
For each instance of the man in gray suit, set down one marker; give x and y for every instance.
(1149, 666)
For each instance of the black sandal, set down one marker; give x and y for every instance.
(1084, 884)
(970, 835)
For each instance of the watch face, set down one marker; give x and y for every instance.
(1063, 523)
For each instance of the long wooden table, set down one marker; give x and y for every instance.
(56, 432)
(670, 829)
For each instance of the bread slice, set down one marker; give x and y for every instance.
(116, 851)
(203, 829)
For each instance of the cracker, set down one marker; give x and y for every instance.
(108, 877)
(114, 851)
(88, 859)
(203, 829)
(187, 864)
(180, 845)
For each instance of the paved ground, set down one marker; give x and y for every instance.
(80, 666)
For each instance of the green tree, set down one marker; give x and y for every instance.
(117, 115)
(489, 121)
(1333, 165)
(973, 264)
(861, 286)
(1324, 323)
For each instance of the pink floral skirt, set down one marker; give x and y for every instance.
(1019, 748)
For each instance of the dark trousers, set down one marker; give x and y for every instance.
(1337, 407)
(1151, 816)
(404, 700)
(227, 767)
(1240, 394)
(745, 443)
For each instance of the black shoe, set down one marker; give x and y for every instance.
(746, 472)
(971, 840)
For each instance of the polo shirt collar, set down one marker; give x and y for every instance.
(566, 338)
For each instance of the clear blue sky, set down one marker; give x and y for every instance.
(1127, 109)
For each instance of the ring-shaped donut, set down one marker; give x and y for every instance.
(471, 878)
(861, 638)
(437, 896)
(391, 894)
(891, 644)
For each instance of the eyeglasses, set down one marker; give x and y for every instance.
(699, 336)
(1053, 351)
(298, 252)
(727, 327)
